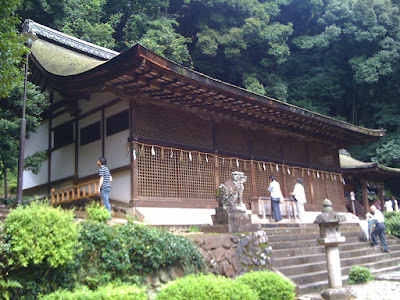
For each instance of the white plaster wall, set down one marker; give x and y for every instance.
(112, 110)
(89, 153)
(116, 146)
(38, 141)
(121, 186)
(95, 100)
(61, 119)
(32, 180)
(88, 156)
(117, 149)
(63, 162)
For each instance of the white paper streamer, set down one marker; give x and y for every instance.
(308, 172)
(277, 168)
(237, 163)
(288, 170)
(172, 154)
(264, 168)
(190, 156)
(134, 154)
(223, 161)
(206, 158)
(153, 152)
(317, 174)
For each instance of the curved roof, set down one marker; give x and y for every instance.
(76, 67)
(349, 164)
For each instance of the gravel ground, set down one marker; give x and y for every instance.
(376, 290)
(373, 290)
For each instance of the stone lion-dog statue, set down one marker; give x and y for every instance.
(230, 193)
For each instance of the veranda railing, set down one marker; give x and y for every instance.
(76, 192)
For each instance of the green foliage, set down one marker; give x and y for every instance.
(106, 253)
(11, 47)
(10, 120)
(37, 234)
(359, 275)
(109, 292)
(392, 222)
(206, 287)
(163, 40)
(269, 285)
(6, 285)
(34, 162)
(98, 213)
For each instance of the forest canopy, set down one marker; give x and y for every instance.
(336, 57)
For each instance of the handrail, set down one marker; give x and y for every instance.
(76, 192)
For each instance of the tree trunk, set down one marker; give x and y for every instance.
(5, 179)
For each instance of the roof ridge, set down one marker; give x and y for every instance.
(31, 26)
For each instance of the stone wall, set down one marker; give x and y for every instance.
(233, 254)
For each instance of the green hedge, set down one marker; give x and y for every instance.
(124, 292)
(392, 222)
(206, 287)
(269, 285)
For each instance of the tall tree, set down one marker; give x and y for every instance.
(11, 46)
(10, 120)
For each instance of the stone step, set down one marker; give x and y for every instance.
(306, 229)
(317, 286)
(309, 236)
(315, 266)
(317, 249)
(312, 277)
(308, 243)
(280, 262)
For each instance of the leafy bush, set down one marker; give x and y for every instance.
(39, 233)
(392, 223)
(269, 285)
(96, 212)
(37, 245)
(359, 275)
(123, 292)
(106, 253)
(204, 287)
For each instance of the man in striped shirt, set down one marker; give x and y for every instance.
(105, 179)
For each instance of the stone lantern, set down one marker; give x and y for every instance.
(331, 238)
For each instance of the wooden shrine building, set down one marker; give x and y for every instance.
(369, 177)
(172, 135)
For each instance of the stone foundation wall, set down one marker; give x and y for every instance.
(234, 254)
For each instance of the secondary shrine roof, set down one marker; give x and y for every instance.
(350, 165)
(75, 68)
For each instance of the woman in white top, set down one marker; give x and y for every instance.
(300, 196)
(276, 198)
(388, 205)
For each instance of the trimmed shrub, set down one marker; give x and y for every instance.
(106, 253)
(123, 292)
(359, 275)
(39, 233)
(269, 285)
(98, 213)
(206, 287)
(392, 223)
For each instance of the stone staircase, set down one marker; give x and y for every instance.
(298, 256)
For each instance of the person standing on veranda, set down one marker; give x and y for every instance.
(276, 198)
(300, 196)
(105, 179)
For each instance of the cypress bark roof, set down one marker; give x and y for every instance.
(75, 68)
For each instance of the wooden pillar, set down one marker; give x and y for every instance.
(76, 123)
(365, 195)
(253, 179)
(103, 132)
(50, 146)
(214, 146)
(133, 146)
(380, 195)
